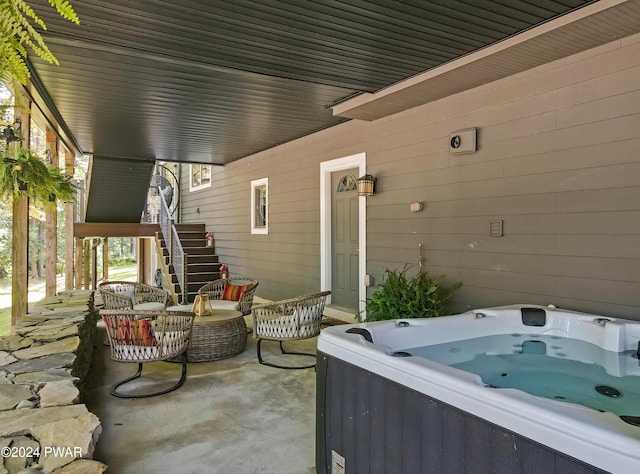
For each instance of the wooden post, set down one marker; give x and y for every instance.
(19, 259)
(105, 259)
(20, 237)
(51, 225)
(78, 265)
(94, 263)
(69, 168)
(140, 259)
(86, 263)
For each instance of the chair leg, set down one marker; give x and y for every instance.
(263, 362)
(114, 388)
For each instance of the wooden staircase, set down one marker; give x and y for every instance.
(202, 263)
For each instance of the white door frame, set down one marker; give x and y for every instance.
(359, 161)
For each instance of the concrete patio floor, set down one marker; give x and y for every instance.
(231, 416)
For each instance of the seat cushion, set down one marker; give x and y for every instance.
(151, 306)
(233, 292)
(224, 304)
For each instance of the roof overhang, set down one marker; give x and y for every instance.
(591, 26)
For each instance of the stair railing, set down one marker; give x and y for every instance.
(177, 257)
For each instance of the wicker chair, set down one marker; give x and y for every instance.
(132, 295)
(289, 320)
(216, 291)
(147, 336)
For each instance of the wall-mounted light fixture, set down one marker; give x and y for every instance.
(12, 133)
(366, 185)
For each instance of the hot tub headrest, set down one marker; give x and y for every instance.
(363, 332)
(533, 316)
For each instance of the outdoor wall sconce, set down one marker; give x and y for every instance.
(11, 133)
(366, 185)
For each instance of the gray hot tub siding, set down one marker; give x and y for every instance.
(380, 426)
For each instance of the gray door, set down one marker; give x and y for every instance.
(344, 239)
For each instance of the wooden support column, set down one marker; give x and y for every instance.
(95, 243)
(105, 259)
(69, 217)
(140, 258)
(86, 264)
(20, 237)
(78, 264)
(19, 259)
(51, 225)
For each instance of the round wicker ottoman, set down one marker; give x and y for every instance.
(222, 335)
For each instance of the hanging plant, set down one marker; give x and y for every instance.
(27, 175)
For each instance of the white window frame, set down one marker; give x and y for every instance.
(201, 185)
(255, 185)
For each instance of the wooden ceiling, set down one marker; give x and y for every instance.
(215, 81)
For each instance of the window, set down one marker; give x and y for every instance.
(259, 206)
(200, 177)
(347, 183)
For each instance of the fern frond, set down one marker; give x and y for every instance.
(17, 33)
(65, 10)
(29, 13)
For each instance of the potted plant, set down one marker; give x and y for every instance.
(399, 296)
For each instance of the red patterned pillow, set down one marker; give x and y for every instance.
(233, 292)
(145, 336)
(138, 333)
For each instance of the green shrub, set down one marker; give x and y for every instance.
(122, 261)
(399, 297)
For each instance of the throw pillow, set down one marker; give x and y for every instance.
(137, 333)
(233, 292)
(145, 334)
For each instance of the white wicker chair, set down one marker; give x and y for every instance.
(147, 336)
(289, 320)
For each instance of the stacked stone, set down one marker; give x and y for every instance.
(43, 426)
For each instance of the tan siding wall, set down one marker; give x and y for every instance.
(558, 161)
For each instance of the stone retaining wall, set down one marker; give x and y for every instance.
(43, 426)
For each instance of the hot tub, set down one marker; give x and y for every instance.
(382, 407)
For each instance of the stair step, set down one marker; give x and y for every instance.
(190, 227)
(187, 243)
(192, 236)
(200, 266)
(193, 251)
(185, 236)
(203, 277)
(198, 260)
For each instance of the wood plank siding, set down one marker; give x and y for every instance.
(558, 161)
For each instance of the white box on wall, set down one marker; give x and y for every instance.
(463, 141)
